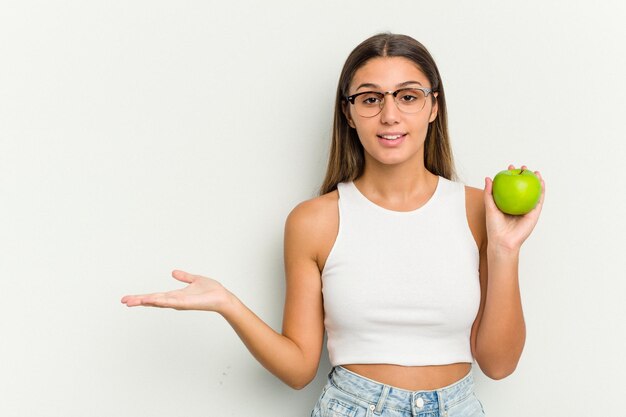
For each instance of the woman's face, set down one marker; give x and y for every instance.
(393, 136)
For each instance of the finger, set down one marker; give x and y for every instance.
(141, 300)
(130, 298)
(132, 301)
(524, 167)
(161, 300)
(183, 276)
(154, 300)
(169, 299)
(511, 166)
(488, 185)
(488, 197)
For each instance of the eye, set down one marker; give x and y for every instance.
(370, 99)
(408, 97)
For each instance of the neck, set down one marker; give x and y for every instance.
(396, 185)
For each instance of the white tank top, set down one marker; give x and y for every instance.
(401, 287)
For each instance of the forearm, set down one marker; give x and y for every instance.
(277, 353)
(502, 331)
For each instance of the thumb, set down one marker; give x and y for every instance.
(488, 185)
(183, 276)
(489, 203)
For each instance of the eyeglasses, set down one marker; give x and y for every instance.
(408, 100)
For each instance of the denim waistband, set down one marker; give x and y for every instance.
(382, 395)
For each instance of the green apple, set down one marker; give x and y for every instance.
(515, 191)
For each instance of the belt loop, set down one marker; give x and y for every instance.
(382, 399)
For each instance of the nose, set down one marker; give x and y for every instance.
(389, 113)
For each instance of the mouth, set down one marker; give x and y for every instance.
(392, 138)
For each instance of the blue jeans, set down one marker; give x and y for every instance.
(347, 394)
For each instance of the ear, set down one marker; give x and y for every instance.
(435, 109)
(346, 112)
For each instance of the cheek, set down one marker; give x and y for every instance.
(361, 134)
(364, 129)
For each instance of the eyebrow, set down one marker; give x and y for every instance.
(370, 85)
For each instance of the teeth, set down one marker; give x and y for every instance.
(388, 137)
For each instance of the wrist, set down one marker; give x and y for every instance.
(496, 251)
(229, 305)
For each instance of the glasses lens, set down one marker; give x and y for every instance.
(410, 100)
(368, 104)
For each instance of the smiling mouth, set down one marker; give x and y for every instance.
(391, 137)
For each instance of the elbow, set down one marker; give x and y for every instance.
(298, 387)
(498, 372)
(500, 364)
(299, 384)
(499, 368)
(300, 381)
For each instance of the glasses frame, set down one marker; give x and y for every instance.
(426, 91)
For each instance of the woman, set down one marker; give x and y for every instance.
(412, 275)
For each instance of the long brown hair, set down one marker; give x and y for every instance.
(346, 159)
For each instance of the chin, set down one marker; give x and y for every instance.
(390, 160)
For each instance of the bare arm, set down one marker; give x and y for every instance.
(292, 356)
(499, 333)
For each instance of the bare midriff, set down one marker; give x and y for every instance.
(412, 378)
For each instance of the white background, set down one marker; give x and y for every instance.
(137, 137)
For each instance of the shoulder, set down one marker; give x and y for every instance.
(474, 197)
(313, 223)
(475, 210)
(314, 212)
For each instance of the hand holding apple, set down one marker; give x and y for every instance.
(516, 191)
(508, 232)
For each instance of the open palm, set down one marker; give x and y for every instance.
(202, 293)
